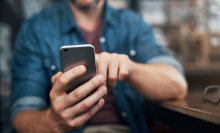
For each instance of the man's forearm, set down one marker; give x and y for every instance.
(32, 121)
(157, 81)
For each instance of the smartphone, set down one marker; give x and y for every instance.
(75, 55)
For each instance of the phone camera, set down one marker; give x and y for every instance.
(65, 49)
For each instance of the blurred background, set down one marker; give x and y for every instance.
(189, 29)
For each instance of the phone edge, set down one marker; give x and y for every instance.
(73, 46)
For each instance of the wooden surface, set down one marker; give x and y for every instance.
(191, 115)
(198, 69)
(194, 106)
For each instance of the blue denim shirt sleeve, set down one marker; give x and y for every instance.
(147, 48)
(30, 83)
(144, 41)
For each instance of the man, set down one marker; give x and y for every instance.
(130, 64)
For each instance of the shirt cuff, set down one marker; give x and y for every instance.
(167, 60)
(27, 103)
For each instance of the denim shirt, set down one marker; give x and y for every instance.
(36, 57)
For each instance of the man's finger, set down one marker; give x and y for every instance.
(97, 59)
(113, 71)
(123, 68)
(90, 101)
(103, 64)
(55, 77)
(63, 81)
(84, 90)
(79, 121)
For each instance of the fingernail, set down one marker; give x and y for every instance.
(81, 67)
(101, 78)
(104, 88)
(102, 100)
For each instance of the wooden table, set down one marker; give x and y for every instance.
(189, 115)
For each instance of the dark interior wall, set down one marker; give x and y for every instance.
(10, 19)
(8, 16)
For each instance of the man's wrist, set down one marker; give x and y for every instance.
(51, 122)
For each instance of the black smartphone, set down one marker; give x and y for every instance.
(75, 55)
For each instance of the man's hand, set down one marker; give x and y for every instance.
(153, 81)
(68, 111)
(114, 67)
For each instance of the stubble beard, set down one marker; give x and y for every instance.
(83, 7)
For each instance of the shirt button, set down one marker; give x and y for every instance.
(52, 67)
(102, 39)
(132, 52)
(123, 114)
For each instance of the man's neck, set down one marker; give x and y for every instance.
(87, 18)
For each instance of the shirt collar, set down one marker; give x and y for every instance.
(67, 19)
(108, 15)
(68, 22)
